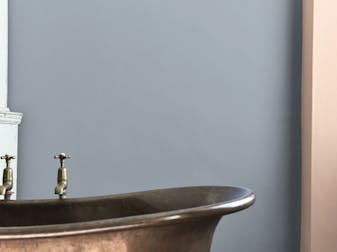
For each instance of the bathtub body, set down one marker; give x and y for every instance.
(166, 220)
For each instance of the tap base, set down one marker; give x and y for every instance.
(62, 196)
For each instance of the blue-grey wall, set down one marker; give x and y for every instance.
(153, 94)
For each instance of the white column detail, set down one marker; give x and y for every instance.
(9, 121)
(3, 54)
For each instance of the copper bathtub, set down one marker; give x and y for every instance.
(166, 220)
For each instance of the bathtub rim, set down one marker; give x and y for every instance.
(215, 210)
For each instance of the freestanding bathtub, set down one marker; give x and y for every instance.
(166, 220)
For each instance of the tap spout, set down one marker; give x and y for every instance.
(5, 188)
(7, 185)
(7, 178)
(61, 189)
(62, 180)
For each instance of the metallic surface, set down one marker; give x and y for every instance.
(178, 219)
(62, 179)
(7, 178)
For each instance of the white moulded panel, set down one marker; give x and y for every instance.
(3, 54)
(9, 121)
(9, 139)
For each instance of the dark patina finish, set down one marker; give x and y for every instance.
(166, 220)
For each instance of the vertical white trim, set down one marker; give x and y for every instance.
(3, 54)
(9, 121)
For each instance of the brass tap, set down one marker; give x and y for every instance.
(7, 178)
(62, 181)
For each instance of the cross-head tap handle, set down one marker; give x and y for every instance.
(8, 158)
(62, 157)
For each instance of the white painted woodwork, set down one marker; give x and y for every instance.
(9, 121)
(9, 140)
(3, 54)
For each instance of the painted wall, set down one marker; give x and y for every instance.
(149, 94)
